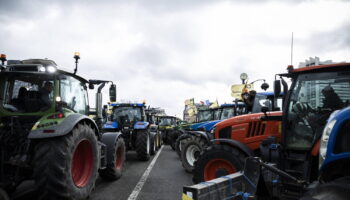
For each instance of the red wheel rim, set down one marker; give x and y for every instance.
(82, 163)
(119, 158)
(218, 167)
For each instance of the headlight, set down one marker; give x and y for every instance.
(324, 140)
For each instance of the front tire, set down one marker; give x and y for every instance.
(217, 160)
(114, 168)
(192, 148)
(66, 167)
(143, 145)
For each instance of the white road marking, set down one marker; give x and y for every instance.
(139, 185)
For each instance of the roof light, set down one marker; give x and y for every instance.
(76, 55)
(51, 69)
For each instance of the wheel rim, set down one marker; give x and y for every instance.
(119, 157)
(192, 154)
(218, 167)
(82, 163)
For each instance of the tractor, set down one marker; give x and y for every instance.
(156, 143)
(167, 128)
(237, 138)
(46, 134)
(312, 159)
(130, 119)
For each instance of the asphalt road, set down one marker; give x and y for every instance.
(165, 180)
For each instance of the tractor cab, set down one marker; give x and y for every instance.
(125, 116)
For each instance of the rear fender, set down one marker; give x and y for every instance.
(235, 144)
(141, 125)
(62, 128)
(201, 134)
(109, 139)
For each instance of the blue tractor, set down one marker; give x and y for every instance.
(131, 120)
(312, 160)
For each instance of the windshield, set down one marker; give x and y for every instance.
(166, 121)
(217, 114)
(127, 114)
(313, 98)
(205, 115)
(27, 92)
(227, 112)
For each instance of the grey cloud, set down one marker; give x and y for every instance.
(331, 40)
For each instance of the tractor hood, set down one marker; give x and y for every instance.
(195, 126)
(209, 125)
(249, 125)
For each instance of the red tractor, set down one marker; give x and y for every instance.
(238, 138)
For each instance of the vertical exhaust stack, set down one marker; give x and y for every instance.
(99, 116)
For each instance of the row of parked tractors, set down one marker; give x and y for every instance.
(292, 143)
(49, 133)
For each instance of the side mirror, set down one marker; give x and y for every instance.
(91, 86)
(113, 93)
(277, 88)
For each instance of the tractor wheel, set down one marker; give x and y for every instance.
(217, 160)
(66, 167)
(153, 148)
(179, 144)
(191, 150)
(337, 190)
(3, 195)
(143, 144)
(159, 140)
(114, 168)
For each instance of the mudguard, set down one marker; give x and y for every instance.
(201, 134)
(111, 125)
(63, 128)
(141, 125)
(236, 144)
(110, 139)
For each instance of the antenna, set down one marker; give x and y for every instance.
(291, 51)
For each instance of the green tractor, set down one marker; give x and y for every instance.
(46, 134)
(167, 127)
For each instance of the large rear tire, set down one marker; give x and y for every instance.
(217, 160)
(192, 148)
(114, 168)
(143, 145)
(66, 167)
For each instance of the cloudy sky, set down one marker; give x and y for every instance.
(165, 51)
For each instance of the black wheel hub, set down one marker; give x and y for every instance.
(197, 154)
